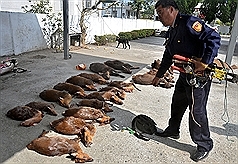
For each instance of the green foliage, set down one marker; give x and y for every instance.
(125, 35)
(53, 22)
(187, 6)
(142, 5)
(132, 35)
(222, 9)
(41, 7)
(103, 40)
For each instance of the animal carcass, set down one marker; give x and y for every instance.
(28, 115)
(75, 126)
(63, 98)
(57, 146)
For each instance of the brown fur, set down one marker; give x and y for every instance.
(105, 96)
(111, 96)
(82, 82)
(49, 108)
(127, 87)
(147, 78)
(119, 65)
(104, 70)
(95, 103)
(119, 92)
(88, 113)
(71, 88)
(28, 115)
(53, 95)
(57, 146)
(75, 126)
(95, 95)
(94, 77)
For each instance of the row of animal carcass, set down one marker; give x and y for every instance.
(92, 106)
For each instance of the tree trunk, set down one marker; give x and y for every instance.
(83, 29)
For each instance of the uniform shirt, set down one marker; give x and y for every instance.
(189, 37)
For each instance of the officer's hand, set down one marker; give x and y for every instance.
(199, 66)
(156, 81)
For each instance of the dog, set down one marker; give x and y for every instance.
(119, 65)
(63, 98)
(28, 115)
(82, 82)
(89, 113)
(57, 146)
(72, 89)
(49, 108)
(147, 78)
(75, 126)
(125, 42)
(94, 77)
(104, 70)
(95, 103)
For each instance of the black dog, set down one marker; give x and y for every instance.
(124, 42)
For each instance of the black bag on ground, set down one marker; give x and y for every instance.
(143, 124)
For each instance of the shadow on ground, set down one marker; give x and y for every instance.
(43, 71)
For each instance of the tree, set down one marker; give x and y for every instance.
(140, 5)
(41, 7)
(53, 22)
(187, 6)
(222, 9)
(85, 13)
(227, 11)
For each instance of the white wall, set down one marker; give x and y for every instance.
(20, 32)
(104, 25)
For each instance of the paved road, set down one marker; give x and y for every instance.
(159, 41)
(110, 144)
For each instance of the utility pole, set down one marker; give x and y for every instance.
(232, 42)
(66, 28)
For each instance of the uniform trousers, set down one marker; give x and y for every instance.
(185, 96)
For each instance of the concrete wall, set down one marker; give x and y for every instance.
(20, 32)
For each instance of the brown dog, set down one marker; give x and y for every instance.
(94, 77)
(127, 87)
(82, 82)
(63, 98)
(95, 103)
(104, 70)
(57, 146)
(119, 92)
(49, 108)
(147, 78)
(28, 115)
(71, 88)
(75, 126)
(105, 96)
(119, 65)
(89, 113)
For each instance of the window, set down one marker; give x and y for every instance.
(88, 3)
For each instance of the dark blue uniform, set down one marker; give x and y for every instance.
(190, 37)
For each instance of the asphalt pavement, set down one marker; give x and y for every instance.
(112, 145)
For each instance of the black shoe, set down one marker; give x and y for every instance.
(167, 134)
(199, 155)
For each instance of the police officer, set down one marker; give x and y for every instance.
(190, 37)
